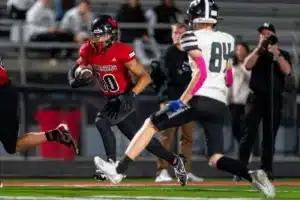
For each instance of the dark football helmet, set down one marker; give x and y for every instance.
(104, 26)
(203, 11)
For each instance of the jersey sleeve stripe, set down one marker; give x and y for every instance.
(190, 34)
(189, 47)
(194, 38)
(189, 41)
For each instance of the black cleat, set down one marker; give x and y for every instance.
(66, 138)
(100, 177)
(270, 175)
(179, 170)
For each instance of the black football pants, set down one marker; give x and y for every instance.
(9, 119)
(129, 127)
(259, 108)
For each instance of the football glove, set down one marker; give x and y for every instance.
(174, 106)
(127, 100)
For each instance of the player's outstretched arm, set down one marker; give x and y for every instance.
(143, 78)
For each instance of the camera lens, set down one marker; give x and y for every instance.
(273, 40)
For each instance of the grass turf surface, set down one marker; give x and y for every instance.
(208, 189)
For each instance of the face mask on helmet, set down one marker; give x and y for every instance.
(104, 33)
(100, 38)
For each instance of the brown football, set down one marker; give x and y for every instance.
(84, 72)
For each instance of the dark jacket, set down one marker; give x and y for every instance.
(261, 78)
(175, 65)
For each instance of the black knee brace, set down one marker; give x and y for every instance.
(159, 118)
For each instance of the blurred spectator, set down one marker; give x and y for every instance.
(41, 25)
(40, 19)
(146, 50)
(17, 8)
(62, 6)
(239, 91)
(167, 12)
(77, 21)
(131, 12)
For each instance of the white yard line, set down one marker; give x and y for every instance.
(121, 198)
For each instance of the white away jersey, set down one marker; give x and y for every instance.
(217, 48)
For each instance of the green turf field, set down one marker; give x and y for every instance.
(137, 189)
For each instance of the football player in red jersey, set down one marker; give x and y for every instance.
(9, 122)
(112, 63)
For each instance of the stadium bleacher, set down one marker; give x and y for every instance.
(241, 18)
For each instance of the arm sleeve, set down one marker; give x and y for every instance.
(229, 72)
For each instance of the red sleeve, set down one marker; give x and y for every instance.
(84, 54)
(127, 53)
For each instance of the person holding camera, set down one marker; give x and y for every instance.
(270, 67)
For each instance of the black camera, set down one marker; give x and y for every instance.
(271, 40)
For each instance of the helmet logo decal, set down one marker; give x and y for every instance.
(98, 31)
(195, 2)
(112, 22)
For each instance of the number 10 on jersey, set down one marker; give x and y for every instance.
(110, 83)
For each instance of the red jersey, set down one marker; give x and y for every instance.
(3, 76)
(110, 66)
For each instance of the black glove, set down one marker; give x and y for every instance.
(127, 100)
(76, 82)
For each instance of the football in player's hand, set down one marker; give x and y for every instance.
(84, 72)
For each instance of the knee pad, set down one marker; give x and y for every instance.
(101, 122)
(158, 119)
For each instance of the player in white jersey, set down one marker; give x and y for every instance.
(216, 48)
(204, 100)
